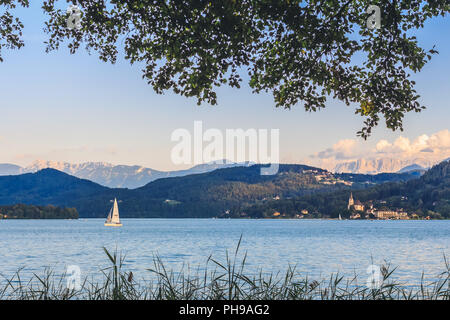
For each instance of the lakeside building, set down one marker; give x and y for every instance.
(357, 205)
(329, 179)
(351, 202)
(358, 208)
(389, 214)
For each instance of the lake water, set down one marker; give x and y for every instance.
(317, 247)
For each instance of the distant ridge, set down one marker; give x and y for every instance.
(412, 167)
(7, 169)
(114, 176)
(388, 165)
(201, 195)
(132, 177)
(47, 186)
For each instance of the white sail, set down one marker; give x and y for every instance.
(115, 213)
(108, 219)
(113, 219)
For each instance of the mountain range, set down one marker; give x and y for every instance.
(126, 176)
(374, 166)
(113, 176)
(199, 195)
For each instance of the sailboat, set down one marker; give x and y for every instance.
(340, 218)
(113, 219)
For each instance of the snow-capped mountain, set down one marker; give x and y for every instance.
(107, 174)
(114, 176)
(123, 176)
(9, 169)
(412, 167)
(374, 166)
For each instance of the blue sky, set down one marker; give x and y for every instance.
(77, 108)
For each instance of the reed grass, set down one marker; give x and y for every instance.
(226, 280)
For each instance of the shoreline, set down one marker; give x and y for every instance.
(190, 218)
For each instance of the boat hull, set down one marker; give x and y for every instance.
(113, 224)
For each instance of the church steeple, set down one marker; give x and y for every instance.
(351, 202)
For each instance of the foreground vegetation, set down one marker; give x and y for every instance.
(223, 281)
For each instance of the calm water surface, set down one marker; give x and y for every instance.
(317, 247)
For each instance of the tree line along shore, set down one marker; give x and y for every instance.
(23, 211)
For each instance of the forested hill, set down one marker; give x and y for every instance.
(428, 195)
(212, 194)
(200, 195)
(47, 187)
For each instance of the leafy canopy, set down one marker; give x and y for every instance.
(300, 51)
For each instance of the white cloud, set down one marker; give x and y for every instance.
(343, 149)
(382, 145)
(437, 144)
(434, 147)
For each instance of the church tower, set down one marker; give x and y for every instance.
(351, 202)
